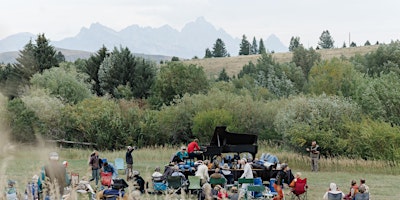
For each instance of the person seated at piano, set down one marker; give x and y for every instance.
(194, 150)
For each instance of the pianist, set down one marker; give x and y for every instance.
(193, 150)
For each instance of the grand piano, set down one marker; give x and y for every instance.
(227, 142)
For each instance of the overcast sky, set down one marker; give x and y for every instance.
(361, 19)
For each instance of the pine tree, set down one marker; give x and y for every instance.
(244, 46)
(223, 76)
(208, 53)
(91, 68)
(254, 47)
(219, 49)
(45, 54)
(262, 49)
(353, 44)
(367, 43)
(325, 40)
(294, 43)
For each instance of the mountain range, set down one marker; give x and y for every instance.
(165, 41)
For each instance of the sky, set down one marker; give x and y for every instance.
(354, 20)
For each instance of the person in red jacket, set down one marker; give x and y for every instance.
(193, 150)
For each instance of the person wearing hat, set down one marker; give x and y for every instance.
(202, 172)
(247, 173)
(129, 161)
(54, 173)
(139, 180)
(227, 173)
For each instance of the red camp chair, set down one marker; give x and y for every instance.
(300, 190)
(106, 178)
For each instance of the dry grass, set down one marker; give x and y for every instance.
(233, 65)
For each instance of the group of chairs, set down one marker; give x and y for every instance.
(358, 196)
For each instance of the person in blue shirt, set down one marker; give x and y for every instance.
(109, 168)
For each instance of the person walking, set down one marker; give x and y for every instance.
(129, 162)
(314, 154)
(95, 163)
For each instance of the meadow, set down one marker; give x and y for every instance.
(21, 163)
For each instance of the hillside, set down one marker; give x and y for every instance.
(233, 65)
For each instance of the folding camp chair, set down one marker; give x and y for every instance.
(299, 191)
(362, 196)
(119, 165)
(175, 184)
(194, 185)
(256, 189)
(249, 181)
(337, 196)
(217, 181)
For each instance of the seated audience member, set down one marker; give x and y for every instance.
(292, 185)
(222, 193)
(362, 183)
(178, 173)
(182, 154)
(279, 181)
(202, 172)
(139, 181)
(235, 194)
(353, 191)
(227, 173)
(109, 168)
(10, 191)
(206, 192)
(157, 176)
(193, 150)
(216, 174)
(168, 170)
(333, 189)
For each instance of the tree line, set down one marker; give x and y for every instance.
(350, 106)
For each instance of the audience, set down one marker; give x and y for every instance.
(334, 190)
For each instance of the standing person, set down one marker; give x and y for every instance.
(247, 173)
(194, 150)
(314, 154)
(54, 174)
(129, 162)
(95, 163)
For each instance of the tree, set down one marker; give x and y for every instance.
(91, 68)
(175, 79)
(305, 59)
(353, 44)
(219, 49)
(367, 43)
(344, 45)
(244, 46)
(45, 54)
(223, 76)
(294, 43)
(262, 49)
(174, 58)
(325, 40)
(254, 47)
(60, 57)
(208, 53)
(121, 68)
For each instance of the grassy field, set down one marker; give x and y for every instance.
(233, 65)
(21, 163)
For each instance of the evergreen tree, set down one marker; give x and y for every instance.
(294, 43)
(91, 68)
(344, 45)
(325, 40)
(353, 44)
(262, 49)
(219, 49)
(60, 57)
(26, 56)
(223, 76)
(244, 46)
(208, 53)
(174, 58)
(45, 54)
(367, 43)
(254, 47)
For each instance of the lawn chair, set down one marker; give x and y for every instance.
(119, 165)
(337, 196)
(256, 189)
(194, 185)
(217, 181)
(175, 184)
(362, 196)
(299, 191)
(249, 181)
(106, 178)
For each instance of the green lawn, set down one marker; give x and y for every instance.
(21, 164)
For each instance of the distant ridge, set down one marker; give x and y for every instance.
(191, 41)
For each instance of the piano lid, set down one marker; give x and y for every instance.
(222, 137)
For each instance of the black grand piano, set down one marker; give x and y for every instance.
(226, 142)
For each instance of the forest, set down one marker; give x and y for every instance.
(351, 106)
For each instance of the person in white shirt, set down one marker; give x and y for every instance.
(333, 189)
(202, 172)
(247, 173)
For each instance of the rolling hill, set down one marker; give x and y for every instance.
(233, 65)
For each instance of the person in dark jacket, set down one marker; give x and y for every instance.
(95, 163)
(129, 162)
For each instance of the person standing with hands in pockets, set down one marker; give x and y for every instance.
(314, 154)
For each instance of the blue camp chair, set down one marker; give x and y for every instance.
(119, 164)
